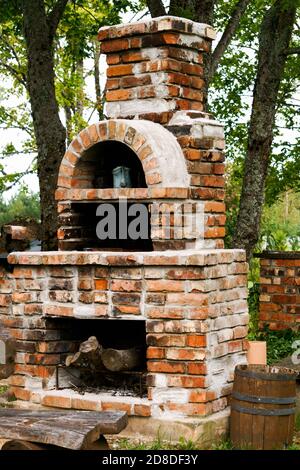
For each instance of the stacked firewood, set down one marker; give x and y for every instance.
(91, 355)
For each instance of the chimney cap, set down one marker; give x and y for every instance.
(156, 25)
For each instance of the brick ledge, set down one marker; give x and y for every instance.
(113, 258)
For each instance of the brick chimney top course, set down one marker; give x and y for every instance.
(156, 25)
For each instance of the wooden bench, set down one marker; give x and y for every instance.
(54, 429)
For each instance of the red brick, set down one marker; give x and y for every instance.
(168, 367)
(113, 59)
(196, 368)
(119, 406)
(101, 284)
(165, 340)
(112, 83)
(123, 285)
(20, 393)
(142, 410)
(114, 45)
(84, 404)
(119, 95)
(165, 286)
(132, 56)
(201, 396)
(57, 401)
(196, 341)
(186, 381)
(119, 70)
(235, 346)
(184, 354)
(164, 312)
(190, 409)
(153, 178)
(155, 353)
(85, 284)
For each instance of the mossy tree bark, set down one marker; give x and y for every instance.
(275, 36)
(39, 31)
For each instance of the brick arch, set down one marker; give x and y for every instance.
(158, 150)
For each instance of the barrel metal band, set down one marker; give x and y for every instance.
(263, 412)
(272, 400)
(264, 376)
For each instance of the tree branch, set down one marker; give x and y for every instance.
(293, 50)
(156, 8)
(19, 176)
(15, 55)
(18, 75)
(228, 34)
(54, 16)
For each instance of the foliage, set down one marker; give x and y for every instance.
(280, 225)
(3, 389)
(74, 53)
(297, 423)
(224, 444)
(279, 343)
(23, 205)
(231, 97)
(253, 305)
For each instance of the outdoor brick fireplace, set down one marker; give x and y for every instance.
(179, 296)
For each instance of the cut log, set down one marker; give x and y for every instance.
(117, 360)
(14, 444)
(89, 355)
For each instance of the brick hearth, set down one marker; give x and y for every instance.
(194, 305)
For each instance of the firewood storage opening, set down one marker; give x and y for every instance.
(101, 356)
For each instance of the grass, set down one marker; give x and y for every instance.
(297, 423)
(3, 389)
(157, 444)
(187, 444)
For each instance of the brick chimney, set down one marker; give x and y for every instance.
(155, 67)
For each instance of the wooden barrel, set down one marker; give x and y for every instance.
(263, 406)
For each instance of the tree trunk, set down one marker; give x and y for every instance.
(99, 103)
(49, 131)
(117, 360)
(69, 129)
(156, 8)
(275, 36)
(197, 10)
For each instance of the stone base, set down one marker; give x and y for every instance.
(203, 432)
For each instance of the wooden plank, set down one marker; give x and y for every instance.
(69, 429)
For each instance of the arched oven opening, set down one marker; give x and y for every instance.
(106, 165)
(97, 167)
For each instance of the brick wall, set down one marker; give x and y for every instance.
(194, 305)
(280, 290)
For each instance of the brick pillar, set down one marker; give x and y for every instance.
(155, 67)
(279, 305)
